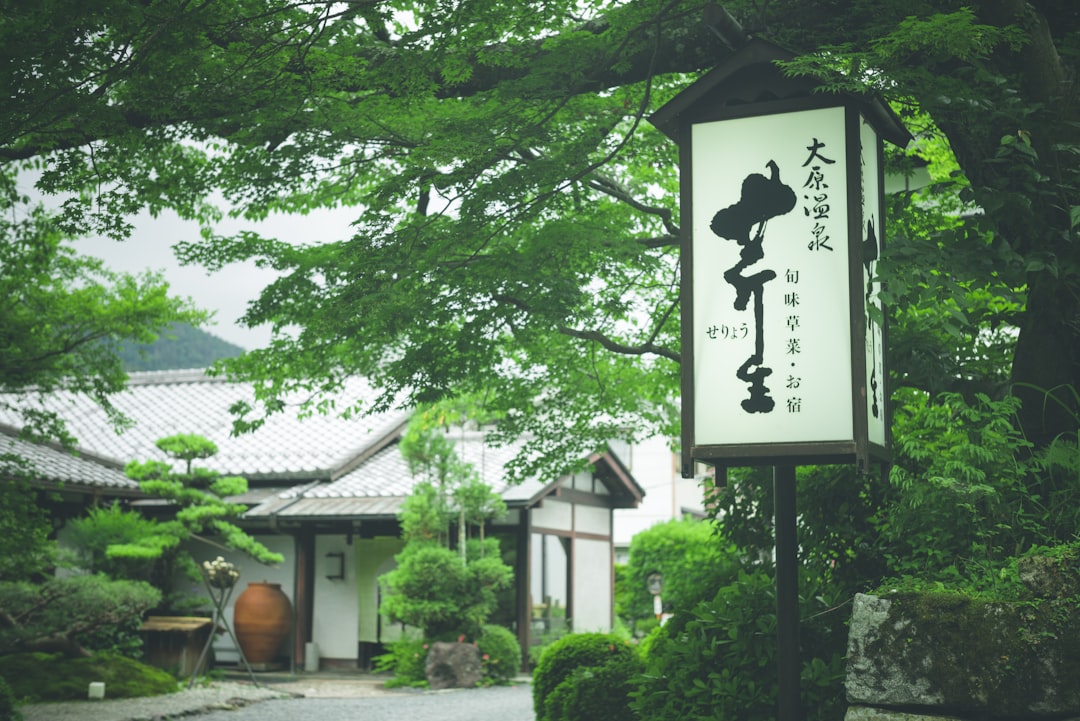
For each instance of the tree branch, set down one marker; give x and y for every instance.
(661, 241)
(616, 347)
(612, 188)
(670, 42)
(645, 348)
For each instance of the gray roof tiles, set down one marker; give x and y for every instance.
(55, 465)
(345, 467)
(380, 485)
(166, 403)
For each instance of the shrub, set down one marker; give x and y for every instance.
(719, 660)
(8, 711)
(111, 525)
(52, 677)
(597, 693)
(65, 613)
(407, 660)
(434, 590)
(678, 550)
(562, 658)
(501, 653)
(25, 548)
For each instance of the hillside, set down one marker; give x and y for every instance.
(183, 346)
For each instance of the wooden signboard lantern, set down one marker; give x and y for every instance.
(783, 330)
(783, 337)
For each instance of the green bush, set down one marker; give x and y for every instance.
(562, 658)
(111, 525)
(73, 614)
(433, 590)
(597, 693)
(36, 677)
(719, 660)
(407, 660)
(8, 711)
(501, 653)
(678, 550)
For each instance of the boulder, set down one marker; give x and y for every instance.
(949, 653)
(866, 713)
(453, 665)
(1055, 574)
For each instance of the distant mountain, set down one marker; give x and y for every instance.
(182, 346)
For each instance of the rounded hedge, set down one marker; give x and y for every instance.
(577, 650)
(501, 653)
(596, 693)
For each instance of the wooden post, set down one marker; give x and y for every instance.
(787, 594)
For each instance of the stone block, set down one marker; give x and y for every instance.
(952, 654)
(866, 713)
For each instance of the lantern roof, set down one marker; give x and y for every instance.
(749, 82)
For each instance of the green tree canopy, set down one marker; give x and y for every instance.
(516, 219)
(64, 315)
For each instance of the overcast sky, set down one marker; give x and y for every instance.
(228, 291)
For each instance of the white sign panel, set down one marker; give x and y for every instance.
(771, 330)
(871, 178)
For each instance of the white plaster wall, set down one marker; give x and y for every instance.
(592, 519)
(556, 515)
(371, 554)
(335, 617)
(582, 481)
(655, 468)
(592, 585)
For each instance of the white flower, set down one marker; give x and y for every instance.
(220, 573)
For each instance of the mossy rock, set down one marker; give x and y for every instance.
(41, 677)
(970, 656)
(1052, 573)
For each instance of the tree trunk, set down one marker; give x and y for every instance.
(1034, 220)
(1045, 372)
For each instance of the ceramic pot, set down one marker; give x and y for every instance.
(262, 618)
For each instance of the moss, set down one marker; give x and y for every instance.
(36, 677)
(1009, 659)
(1050, 572)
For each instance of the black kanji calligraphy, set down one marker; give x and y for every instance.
(744, 222)
(814, 147)
(870, 255)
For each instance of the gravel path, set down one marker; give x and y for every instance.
(315, 699)
(504, 703)
(216, 695)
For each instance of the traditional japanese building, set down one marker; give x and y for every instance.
(324, 491)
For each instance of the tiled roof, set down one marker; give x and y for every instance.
(171, 402)
(387, 473)
(54, 465)
(344, 467)
(380, 484)
(326, 508)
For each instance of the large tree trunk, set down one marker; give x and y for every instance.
(1046, 364)
(1045, 371)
